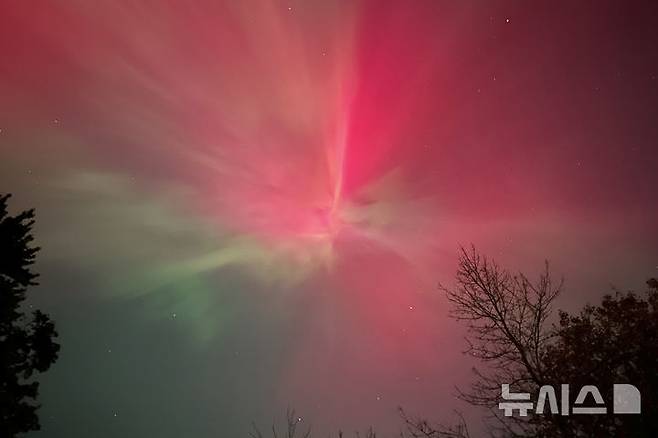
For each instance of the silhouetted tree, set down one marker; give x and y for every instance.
(421, 428)
(291, 430)
(614, 342)
(27, 343)
(292, 422)
(510, 331)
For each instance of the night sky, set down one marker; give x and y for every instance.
(248, 205)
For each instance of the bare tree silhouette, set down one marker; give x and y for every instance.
(422, 428)
(291, 429)
(292, 422)
(519, 340)
(511, 330)
(507, 317)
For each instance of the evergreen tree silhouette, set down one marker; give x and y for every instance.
(27, 339)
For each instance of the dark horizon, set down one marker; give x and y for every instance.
(247, 206)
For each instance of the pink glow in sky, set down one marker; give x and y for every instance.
(252, 202)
